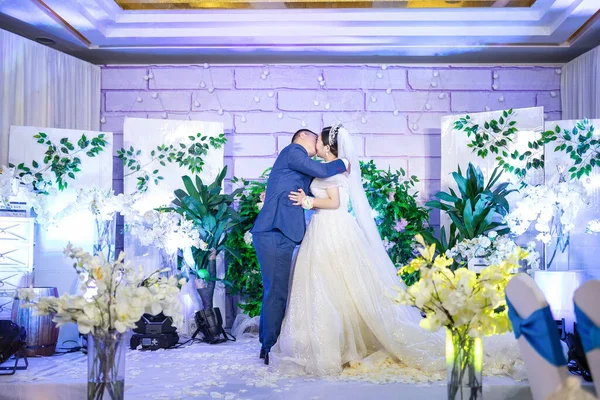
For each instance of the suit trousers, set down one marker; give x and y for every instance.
(275, 252)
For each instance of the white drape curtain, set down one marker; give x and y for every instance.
(580, 92)
(43, 87)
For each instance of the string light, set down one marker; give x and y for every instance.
(428, 106)
(558, 71)
(303, 124)
(327, 106)
(501, 99)
(436, 74)
(495, 87)
(316, 102)
(196, 103)
(379, 75)
(150, 75)
(155, 95)
(396, 112)
(433, 84)
(441, 96)
(202, 84)
(363, 120)
(206, 65)
(165, 115)
(139, 99)
(146, 77)
(271, 94)
(220, 111)
(280, 115)
(256, 99)
(495, 75)
(388, 91)
(102, 120)
(487, 108)
(211, 90)
(552, 94)
(244, 118)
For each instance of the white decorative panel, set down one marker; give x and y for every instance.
(145, 135)
(455, 152)
(52, 268)
(583, 247)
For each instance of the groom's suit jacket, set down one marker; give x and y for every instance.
(292, 170)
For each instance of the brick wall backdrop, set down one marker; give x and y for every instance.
(394, 110)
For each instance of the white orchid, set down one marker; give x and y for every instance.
(121, 296)
(553, 208)
(165, 230)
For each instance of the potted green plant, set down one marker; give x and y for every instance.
(476, 209)
(214, 216)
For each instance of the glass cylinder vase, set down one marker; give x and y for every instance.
(105, 238)
(557, 253)
(464, 359)
(106, 366)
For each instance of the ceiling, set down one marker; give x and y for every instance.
(276, 4)
(232, 31)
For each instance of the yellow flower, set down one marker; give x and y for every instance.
(428, 252)
(442, 261)
(97, 273)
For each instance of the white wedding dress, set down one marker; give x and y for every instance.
(340, 317)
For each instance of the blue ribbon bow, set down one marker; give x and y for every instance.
(589, 332)
(540, 331)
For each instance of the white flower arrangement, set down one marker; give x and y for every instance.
(593, 226)
(494, 249)
(121, 295)
(553, 208)
(165, 230)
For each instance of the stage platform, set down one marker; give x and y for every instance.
(224, 371)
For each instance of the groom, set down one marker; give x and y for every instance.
(280, 227)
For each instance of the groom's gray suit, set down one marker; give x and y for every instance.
(279, 227)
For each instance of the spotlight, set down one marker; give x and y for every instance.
(45, 41)
(154, 332)
(13, 339)
(210, 325)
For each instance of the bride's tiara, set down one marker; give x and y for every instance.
(333, 133)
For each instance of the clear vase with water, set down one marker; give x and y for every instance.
(106, 365)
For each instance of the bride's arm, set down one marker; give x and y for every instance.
(332, 201)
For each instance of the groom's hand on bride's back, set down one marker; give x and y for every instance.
(348, 166)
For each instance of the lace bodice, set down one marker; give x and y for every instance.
(319, 187)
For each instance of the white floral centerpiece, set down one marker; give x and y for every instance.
(121, 295)
(493, 249)
(554, 209)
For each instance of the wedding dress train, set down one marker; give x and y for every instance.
(340, 318)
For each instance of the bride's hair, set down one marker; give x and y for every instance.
(333, 147)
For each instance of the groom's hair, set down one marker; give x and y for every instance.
(297, 134)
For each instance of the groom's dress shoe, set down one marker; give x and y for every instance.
(266, 358)
(263, 352)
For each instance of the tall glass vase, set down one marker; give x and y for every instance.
(557, 253)
(105, 238)
(106, 366)
(168, 260)
(464, 359)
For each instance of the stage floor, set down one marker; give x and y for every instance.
(223, 371)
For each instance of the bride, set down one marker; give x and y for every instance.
(340, 316)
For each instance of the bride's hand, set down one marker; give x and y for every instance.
(297, 197)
